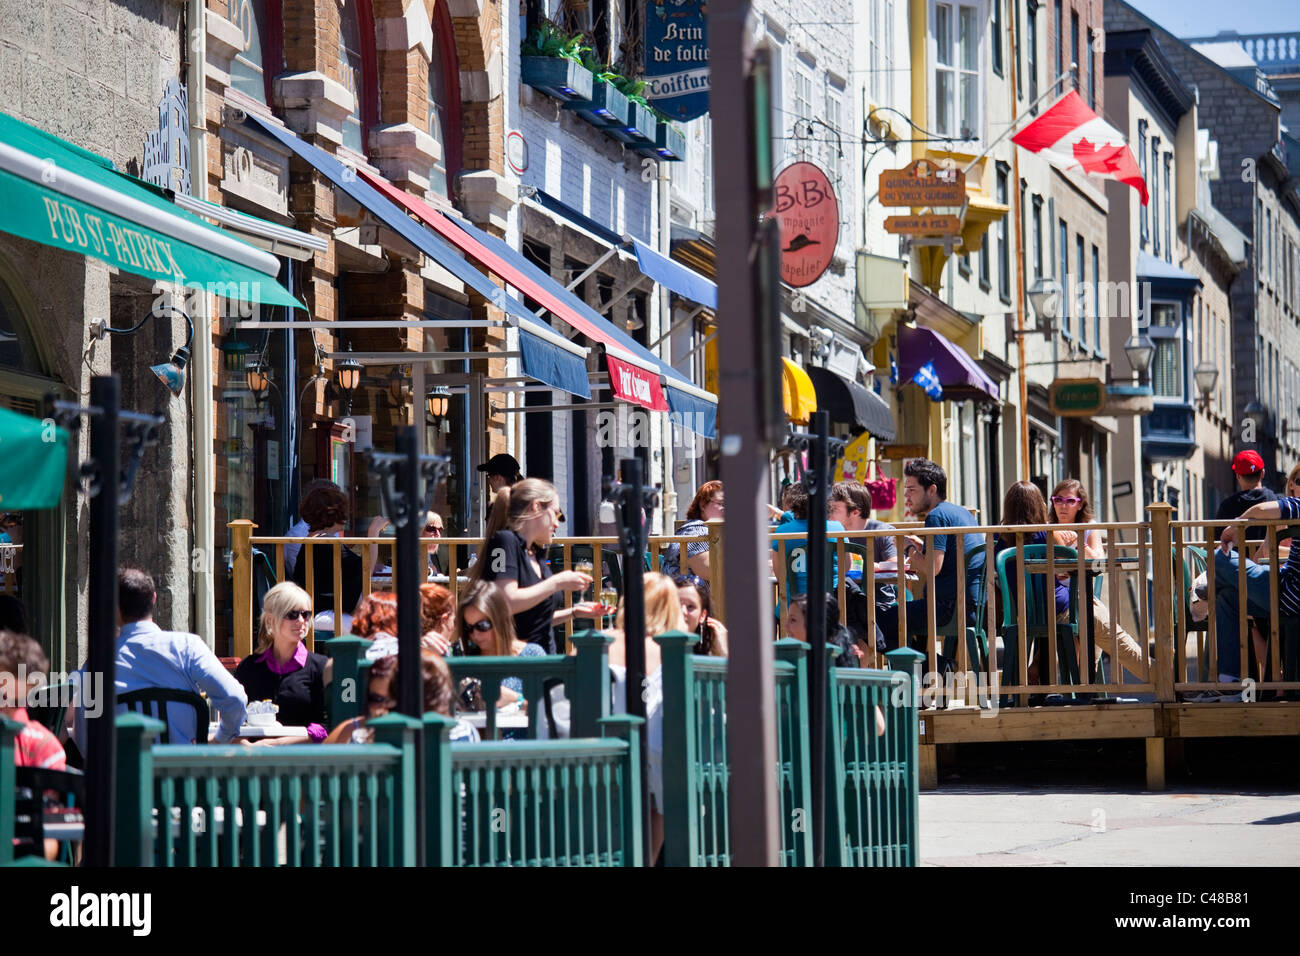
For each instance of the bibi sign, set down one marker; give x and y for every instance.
(677, 57)
(809, 216)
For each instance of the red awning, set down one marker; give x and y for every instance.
(632, 378)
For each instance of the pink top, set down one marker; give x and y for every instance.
(297, 662)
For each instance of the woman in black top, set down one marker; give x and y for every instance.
(326, 512)
(524, 518)
(282, 670)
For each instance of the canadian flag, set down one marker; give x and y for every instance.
(1073, 137)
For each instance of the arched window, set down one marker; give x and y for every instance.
(444, 102)
(357, 68)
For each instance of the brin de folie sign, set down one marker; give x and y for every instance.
(809, 217)
(677, 57)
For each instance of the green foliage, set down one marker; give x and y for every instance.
(549, 40)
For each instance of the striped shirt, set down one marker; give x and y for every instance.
(1288, 598)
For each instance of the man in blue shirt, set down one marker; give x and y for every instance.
(1226, 596)
(148, 656)
(794, 551)
(925, 492)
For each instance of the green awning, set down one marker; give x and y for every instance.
(33, 462)
(61, 195)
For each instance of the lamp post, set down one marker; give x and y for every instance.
(1044, 297)
(1140, 351)
(436, 402)
(1206, 375)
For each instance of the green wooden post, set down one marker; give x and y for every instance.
(910, 662)
(589, 699)
(681, 817)
(628, 729)
(799, 836)
(9, 731)
(348, 686)
(398, 730)
(441, 799)
(134, 825)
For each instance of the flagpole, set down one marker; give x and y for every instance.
(1051, 91)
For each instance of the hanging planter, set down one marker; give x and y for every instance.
(559, 77)
(640, 129)
(606, 108)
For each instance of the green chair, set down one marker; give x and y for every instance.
(977, 642)
(1037, 607)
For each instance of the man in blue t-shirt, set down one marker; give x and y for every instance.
(795, 498)
(925, 492)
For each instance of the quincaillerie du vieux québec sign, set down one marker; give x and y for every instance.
(677, 57)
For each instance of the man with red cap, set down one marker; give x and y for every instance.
(1249, 469)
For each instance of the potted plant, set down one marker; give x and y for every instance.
(551, 61)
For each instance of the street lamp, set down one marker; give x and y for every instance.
(257, 374)
(348, 376)
(1140, 351)
(1206, 375)
(1045, 297)
(436, 401)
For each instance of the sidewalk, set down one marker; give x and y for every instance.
(1077, 826)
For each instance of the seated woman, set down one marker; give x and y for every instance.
(796, 626)
(705, 506)
(282, 670)
(1024, 505)
(381, 698)
(375, 619)
(697, 610)
(485, 627)
(325, 509)
(437, 618)
(1070, 506)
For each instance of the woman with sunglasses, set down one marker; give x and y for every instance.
(1070, 506)
(697, 609)
(484, 626)
(282, 670)
(525, 517)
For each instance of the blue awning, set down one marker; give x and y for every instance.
(673, 276)
(687, 283)
(692, 406)
(1161, 273)
(546, 356)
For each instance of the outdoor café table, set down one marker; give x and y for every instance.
(258, 732)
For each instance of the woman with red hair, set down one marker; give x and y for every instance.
(705, 506)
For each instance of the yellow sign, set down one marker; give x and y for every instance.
(853, 466)
(902, 452)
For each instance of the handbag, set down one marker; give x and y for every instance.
(883, 491)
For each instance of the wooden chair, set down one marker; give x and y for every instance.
(153, 701)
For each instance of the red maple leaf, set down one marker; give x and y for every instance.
(1093, 159)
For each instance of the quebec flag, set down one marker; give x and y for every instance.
(928, 379)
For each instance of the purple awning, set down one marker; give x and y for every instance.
(958, 372)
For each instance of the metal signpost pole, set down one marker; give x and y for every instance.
(742, 117)
(815, 482)
(101, 741)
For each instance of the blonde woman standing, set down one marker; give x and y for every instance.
(525, 517)
(282, 670)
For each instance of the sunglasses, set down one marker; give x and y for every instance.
(297, 615)
(482, 627)
(380, 700)
(432, 529)
(692, 580)
(1065, 500)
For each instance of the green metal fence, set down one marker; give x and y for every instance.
(329, 805)
(9, 731)
(535, 802)
(872, 782)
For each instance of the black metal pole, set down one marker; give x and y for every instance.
(101, 741)
(815, 479)
(410, 571)
(632, 535)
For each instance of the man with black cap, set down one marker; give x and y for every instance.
(1249, 469)
(502, 472)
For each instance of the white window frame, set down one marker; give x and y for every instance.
(982, 68)
(834, 118)
(1161, 333)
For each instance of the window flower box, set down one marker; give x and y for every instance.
(641, 127)
(606, 108)
(669, 144)
(558, 77)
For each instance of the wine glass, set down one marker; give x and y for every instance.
(609, 599)
(584, 566)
